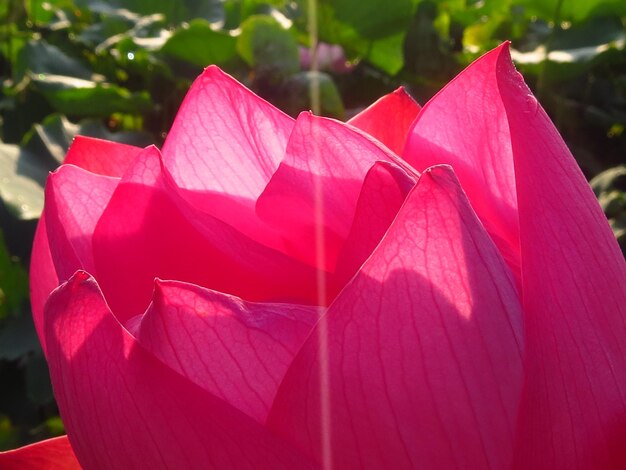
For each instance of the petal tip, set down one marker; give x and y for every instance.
(154, 151)
(85, 139)
(160, 295)
(510, 80)
(80, 277)
(53, 175)
(80, 141)
(158, 290)
(213, 72)
(305, 116)
(79, 280)
(504, 55)
(440, 174)
(401, 91)
(76, 282)
(213, 75)
(442, 168)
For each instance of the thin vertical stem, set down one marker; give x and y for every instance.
(314, 83)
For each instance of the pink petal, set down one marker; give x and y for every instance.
(100, 156)
(389, 119)
(238, 213)
(573, 412)
(236, 350)
(223, 148)
(51, 454)
(124, 409)
(384, 189)
(43, 277)
(149, 231)
(314, 192)
(465, 126)
(225, 138)
(75, 200)
(417, 363)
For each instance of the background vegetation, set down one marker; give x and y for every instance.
(118, 69)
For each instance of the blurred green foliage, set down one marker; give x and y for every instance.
(610, 188)
(118, 69)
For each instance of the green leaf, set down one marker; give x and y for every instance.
(18, 338)
(427, 55)
(107, 27)
(484, 24)
(573, 10)
(370, 19)
(387, 54)
(175, 11)
(52, 137)
(38, 386)
(610, 189)
(366, 30)
(201, 45)
(8, 434)
(267, 47)
(43, 12)
(609, 180)
(120, 25)
(468, 13)
(11, 45)
(572, 51)
(55, 426)
(23, 170)
(13, 283)
(79, 97)
(210, 10)
(139, 57)
(39, 57)
(298, 93)
(619, 230)
(22, 175)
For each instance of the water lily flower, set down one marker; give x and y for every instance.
(416, 288)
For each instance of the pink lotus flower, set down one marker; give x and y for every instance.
(271, 293)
